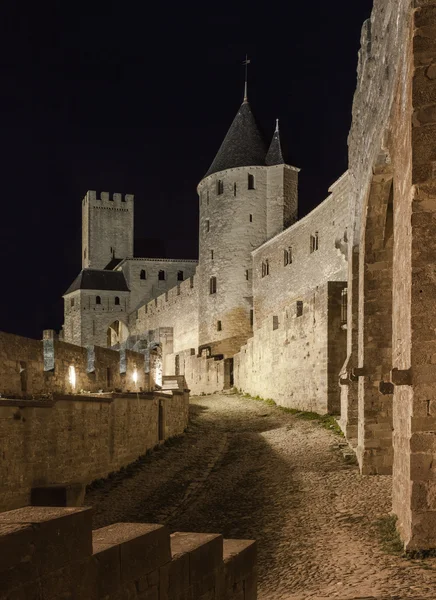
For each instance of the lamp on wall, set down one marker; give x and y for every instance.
(72, 376)
(135, 376)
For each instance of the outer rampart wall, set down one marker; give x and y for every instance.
(79, 438)
(307, 270)
(177, 308)
(203, 375)
(33, 368)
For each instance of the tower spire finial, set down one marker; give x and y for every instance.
(246, 62)
(277, 125)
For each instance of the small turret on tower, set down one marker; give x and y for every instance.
(282, 188)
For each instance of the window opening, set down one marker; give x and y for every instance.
(161, 275)
(98, 300)
(219, 187)
(143, 274)
(251, 218)
(344, 306)
(299, 308)
(179, 275)
(207, 225)
(219, 326)
(117, 301)
(234, 189)
(265, 268)
(212, 285)
(250, 181)
(314, 242)
(275, 322)
(287, 256)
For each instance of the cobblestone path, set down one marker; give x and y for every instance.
(248, 470)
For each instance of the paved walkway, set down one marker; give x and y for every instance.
(248, 470)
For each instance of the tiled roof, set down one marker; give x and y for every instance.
(99, 279)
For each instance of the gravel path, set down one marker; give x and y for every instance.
(248, 470)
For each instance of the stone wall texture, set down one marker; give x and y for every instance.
(176, 309)
(292, 359)
(33, 368)
(51, 553)
(80, 438)
(392, 172)
(107, 228)
(54, 435)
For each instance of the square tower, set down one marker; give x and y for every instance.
(107, 228)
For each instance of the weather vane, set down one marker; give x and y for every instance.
(246, 62)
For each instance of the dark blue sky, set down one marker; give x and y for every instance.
(133, 98)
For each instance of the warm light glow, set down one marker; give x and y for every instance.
(72, 376)
(135, 376)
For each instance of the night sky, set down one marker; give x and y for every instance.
(136, 97)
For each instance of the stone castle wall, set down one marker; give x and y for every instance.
(292, 359)
(53, 435)
(176, 309)
(231, 225)
(53, 553)
(41, 368)
(86, 322)
(144, 290)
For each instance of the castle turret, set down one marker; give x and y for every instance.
(282, 189)
(246, 196)
(107, 229)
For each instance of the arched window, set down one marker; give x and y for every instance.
(117, 301)
(212, 285)
(179, 275)
(161, 275)
(219, 187)
(250, 181)
(98, 299)
(143, 274)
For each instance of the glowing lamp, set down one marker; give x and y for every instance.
(72, 376)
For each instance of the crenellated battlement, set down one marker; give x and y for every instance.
(116, 198)
(54, 549)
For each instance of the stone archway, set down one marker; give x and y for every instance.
(117, 333)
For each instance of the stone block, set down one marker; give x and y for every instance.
(59, 535)
(75, 581)
(143, 547)
(205, 555)
(240, 557)
(107, 562)
(174, 577)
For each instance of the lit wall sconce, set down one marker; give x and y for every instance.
(135, 376)
(72, 376)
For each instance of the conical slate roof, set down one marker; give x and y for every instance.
(243, 145)
(274, 155)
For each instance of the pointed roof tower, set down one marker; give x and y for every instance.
(274, 155)
(243, 145)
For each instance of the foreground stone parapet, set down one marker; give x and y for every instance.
(50, 553)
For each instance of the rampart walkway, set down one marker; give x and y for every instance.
(248, 470)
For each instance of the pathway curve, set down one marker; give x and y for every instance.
(248, 470)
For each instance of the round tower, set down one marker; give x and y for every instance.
(248, 195)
